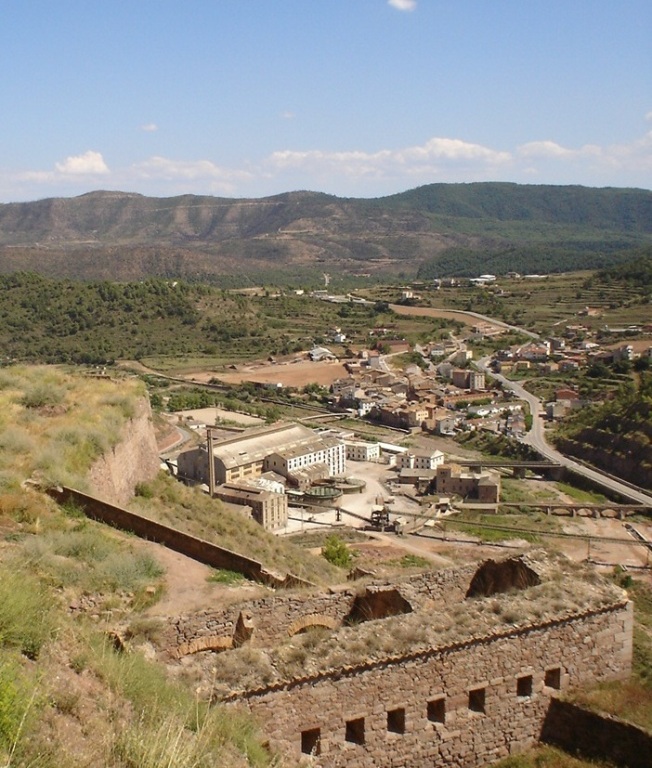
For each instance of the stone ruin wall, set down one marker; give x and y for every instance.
(461, 706)
(275, 618)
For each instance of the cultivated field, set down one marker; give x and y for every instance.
(289, 374)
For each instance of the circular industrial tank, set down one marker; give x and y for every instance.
(322, 494)
(350, 484)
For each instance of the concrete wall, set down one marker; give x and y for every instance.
(314, 711)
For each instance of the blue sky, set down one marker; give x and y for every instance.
(359, 98)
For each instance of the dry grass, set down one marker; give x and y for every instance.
(54, 424)
(188, 509)
(547, 757)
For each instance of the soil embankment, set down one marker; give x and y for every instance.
(134, 459)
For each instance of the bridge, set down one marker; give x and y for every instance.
(572, 509)
(551, 469)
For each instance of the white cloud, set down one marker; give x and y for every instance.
(189, 175)
(403, 5)
(552, 150)
(648, 116)
(543, 149)
(90, 163)
(288, 115)
(590, 160)
(348, 172)
(430, 159)
(149, 127)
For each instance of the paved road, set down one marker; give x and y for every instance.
(537, 439)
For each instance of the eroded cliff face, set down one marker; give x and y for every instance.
(134, 459)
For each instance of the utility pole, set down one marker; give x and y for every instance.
(211, 463)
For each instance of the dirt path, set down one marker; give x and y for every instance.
(446, 314)
(187, 587)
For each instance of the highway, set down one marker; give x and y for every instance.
(536, 438)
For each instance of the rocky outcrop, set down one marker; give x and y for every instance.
(134, 459)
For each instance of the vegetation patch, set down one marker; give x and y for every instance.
(192, 511)
(335, 551)
(610, 434)
(56, 423)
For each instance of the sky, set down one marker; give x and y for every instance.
(358, 98)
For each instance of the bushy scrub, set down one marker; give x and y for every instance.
(172, 727)
(17, 704)
(26, 616)
(91, 559)
(43, 396)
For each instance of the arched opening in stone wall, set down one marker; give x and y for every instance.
(492, 578)
(312, 621)
(377, 604)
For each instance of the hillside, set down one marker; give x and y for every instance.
(78, 685)
(117, 235)
(614, 436)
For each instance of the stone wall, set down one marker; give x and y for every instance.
(277, 617)
(463, 705)
(597, 736)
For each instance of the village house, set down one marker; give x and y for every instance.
(409, 417)
(468, 379)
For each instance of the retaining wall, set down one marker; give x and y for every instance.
(191, 546)
(595, 735)
(132, 460)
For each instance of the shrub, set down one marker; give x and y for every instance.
(224, 576)
(42, 395)
(144, 490)
(336, 552)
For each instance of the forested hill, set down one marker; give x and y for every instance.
(440, 229)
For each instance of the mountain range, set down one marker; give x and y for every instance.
(430, 231)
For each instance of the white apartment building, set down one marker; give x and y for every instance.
(362, 451)
(420, 460)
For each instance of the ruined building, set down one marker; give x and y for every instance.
(452, 667)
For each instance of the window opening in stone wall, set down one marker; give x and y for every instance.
(311, 741)
(396, 720)
(552, 678)
(524, 686)
(477, 700)
(355, 730)
(437, 710)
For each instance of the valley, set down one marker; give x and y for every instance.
(427, 374)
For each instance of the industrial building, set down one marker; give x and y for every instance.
(452, 480)
(296, 452)
(268, 508)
